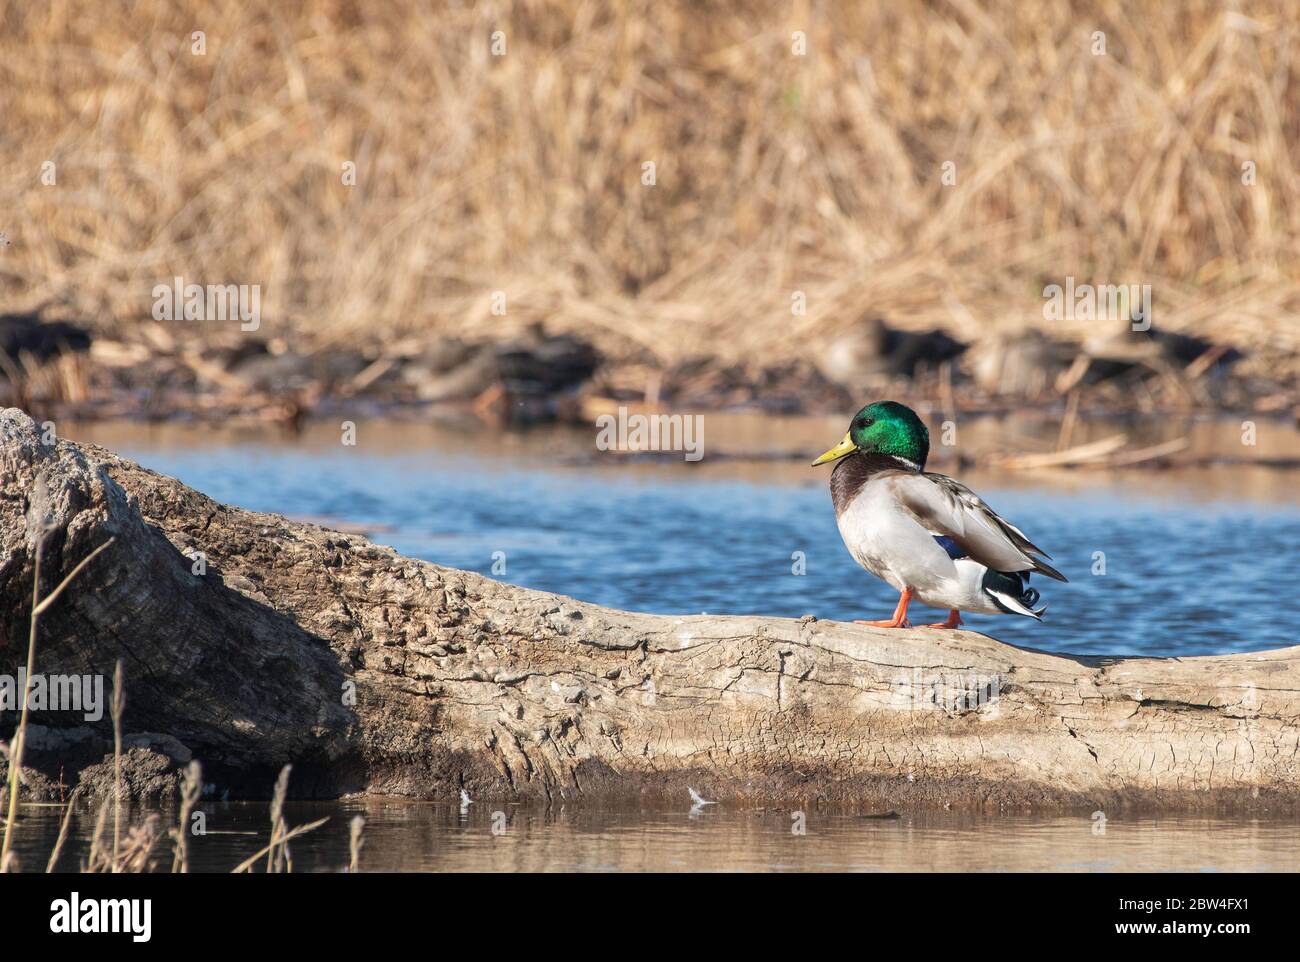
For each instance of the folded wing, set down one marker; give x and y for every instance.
(948, 508)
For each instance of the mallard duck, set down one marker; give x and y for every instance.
(871, 348)
(929, 536)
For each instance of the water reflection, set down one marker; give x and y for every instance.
(407, 836)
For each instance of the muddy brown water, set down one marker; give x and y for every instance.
(406, 836)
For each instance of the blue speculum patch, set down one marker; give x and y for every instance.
(950, 546)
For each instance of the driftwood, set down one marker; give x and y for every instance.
(372, 672)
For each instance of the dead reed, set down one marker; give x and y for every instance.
(119, 703)
(134, 852)
(356, 841)
(191, 792)
(40, 526)
(774, 172)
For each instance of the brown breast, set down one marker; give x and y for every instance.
(852, 472)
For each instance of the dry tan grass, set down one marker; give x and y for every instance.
(775, 172)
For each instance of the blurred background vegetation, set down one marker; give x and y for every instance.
(775, 172)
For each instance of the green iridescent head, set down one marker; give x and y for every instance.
(884, 427)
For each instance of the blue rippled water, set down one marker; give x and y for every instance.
(1180, 577)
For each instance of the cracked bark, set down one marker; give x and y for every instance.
(461, 681)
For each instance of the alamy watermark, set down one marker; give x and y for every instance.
(81, 693)
(651, 432)
(1099, 302)
(75, 915)
(959, 692)
(208, 302)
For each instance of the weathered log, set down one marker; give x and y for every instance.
(372, 672)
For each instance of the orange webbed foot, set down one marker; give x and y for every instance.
(900, 614)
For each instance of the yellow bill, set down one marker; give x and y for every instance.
(846, 446)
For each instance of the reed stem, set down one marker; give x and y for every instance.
(38, 607)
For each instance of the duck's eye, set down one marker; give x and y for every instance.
(866, 422)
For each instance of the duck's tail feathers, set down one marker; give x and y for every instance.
(1045, 568)
(1008, 591)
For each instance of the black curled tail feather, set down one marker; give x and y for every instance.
(1010, 592)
